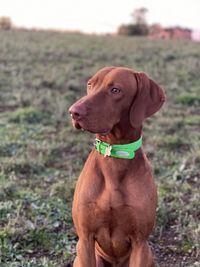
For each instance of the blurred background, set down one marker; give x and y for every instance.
(48, 51)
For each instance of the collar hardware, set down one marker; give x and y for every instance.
(108, 151)
(125, 151)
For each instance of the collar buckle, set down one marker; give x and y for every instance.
(108, 151)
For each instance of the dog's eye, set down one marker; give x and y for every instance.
(115, 90)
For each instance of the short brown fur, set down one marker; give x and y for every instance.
(115, 200)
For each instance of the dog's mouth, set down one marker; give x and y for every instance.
(78, 125)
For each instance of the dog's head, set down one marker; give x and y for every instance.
(116, 94)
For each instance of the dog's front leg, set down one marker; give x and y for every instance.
(85, 253)
(141, 256)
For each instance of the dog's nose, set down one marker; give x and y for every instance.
(77, 112)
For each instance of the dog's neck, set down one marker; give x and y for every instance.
(121, 133)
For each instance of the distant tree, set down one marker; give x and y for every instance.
(139, 15)
(133, 29)
(139, 26)
(5, 23)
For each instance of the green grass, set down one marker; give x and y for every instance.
(41, 75)
(29, 115)
(189, 99)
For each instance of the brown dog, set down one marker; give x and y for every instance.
(115, 199)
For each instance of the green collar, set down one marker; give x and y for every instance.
(126, 151)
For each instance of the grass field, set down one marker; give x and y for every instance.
(41, 75)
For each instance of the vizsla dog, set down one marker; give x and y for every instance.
(115, 199)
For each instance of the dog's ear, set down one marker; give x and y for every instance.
(148, 99)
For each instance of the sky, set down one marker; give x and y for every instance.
(100, 16)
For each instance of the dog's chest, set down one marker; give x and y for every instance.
(108, 203)
(109, 210)
(106, 186)
(112, 195)
(107, 191)
(107, 194)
